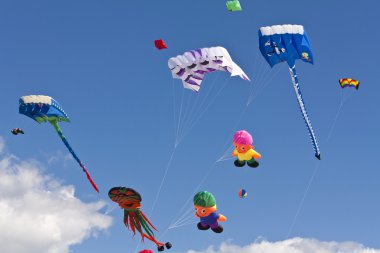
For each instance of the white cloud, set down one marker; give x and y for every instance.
(2, 145)
(38, 214)
(60, 157)
(294, 245)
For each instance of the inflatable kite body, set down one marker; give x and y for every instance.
(349, 82)
(205, 207)
(192, 66)
(288, 43)
(134, 218)
(244, 151)
(160, 44)
(46, 109)
(233, 5)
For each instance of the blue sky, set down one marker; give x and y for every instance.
(98, 60)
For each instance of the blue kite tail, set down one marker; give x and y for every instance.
(297, 89)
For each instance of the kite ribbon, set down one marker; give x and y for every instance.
(297, 89)
(63, 138)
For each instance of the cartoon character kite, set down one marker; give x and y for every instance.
(244, 150)
(205, 210)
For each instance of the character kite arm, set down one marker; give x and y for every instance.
(222, 218)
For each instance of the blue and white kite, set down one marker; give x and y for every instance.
(46, 109)
(288, 43)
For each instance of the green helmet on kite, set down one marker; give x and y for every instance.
(46, 109)
(134, 218)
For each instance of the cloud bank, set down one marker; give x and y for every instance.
(294, 245)
(38, 214)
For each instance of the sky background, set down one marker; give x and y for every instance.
(98, 60)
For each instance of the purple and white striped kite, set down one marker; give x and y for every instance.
(193, 65)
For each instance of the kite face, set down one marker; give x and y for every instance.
(204, 211)
(192, 66)
(42, 108)
(287, 43)
(349, 82)
(160, 44)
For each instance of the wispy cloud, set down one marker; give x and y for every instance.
(38, 214)
(293, 245)
(59, 157)
(2, 145)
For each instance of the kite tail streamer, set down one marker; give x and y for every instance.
(297, 89)
(58, 129)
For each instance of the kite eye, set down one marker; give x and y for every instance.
(236, 146)
(243, 148)
(203, 211)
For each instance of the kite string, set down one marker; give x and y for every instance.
(197, 107)
(218, 160)
(159, 189)
(208, 171)
(261, 88)
(199, 116)
(162, 180)
(335, 120)
(179, 120)
(300, 205)
(315, 169)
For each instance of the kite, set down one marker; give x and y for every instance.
(243, 193)
(288, 43)
(146, 251)
(16, 131)
(193, 65)
(233, 5)
(160, 44)
(205, 210)
(349, 82)
(46, 109)
(134, 218)
(244, 150)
